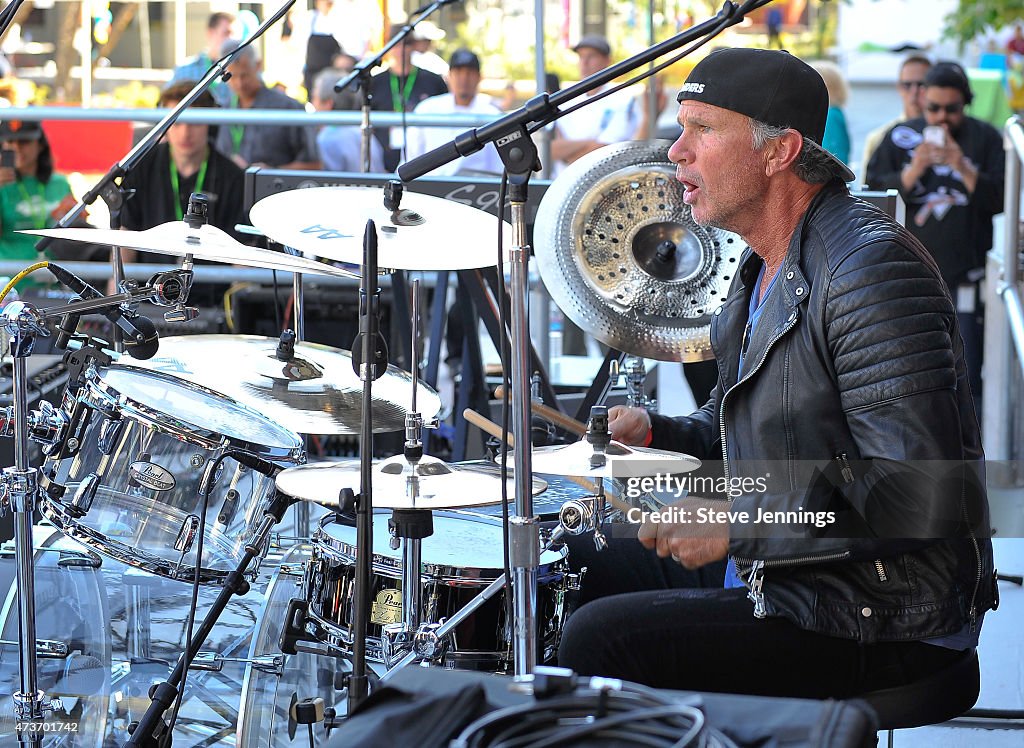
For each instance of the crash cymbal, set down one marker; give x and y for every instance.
(205, 243)
(440, 485)
(623, 258)
(621, 462)
(428, 233)
(314, 392)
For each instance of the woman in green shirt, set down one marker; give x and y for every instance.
(31, 195)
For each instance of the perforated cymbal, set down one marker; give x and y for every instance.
(428, 233)
(623, 258)
(205, 243)
(315, 392)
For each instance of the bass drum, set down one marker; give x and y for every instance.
(71, 612)
(273, 681)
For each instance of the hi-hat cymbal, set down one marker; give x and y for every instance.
(428, 233)
(439, 484)
(314, 392)
(205, 243)
(621, 462)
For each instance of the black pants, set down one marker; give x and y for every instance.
(706, 638)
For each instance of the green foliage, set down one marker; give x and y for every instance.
(974, 18)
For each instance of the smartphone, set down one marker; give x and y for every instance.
(935, 135)
(6, 158)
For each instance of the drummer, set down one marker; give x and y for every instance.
(841, 373)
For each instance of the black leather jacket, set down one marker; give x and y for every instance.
(854, 400)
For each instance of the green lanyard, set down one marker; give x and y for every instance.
(396, 102)
(237, 131)
(176, 190)
(38, 216)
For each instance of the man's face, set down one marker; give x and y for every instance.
(592, 61)
(944, 106)
(463, 82)
(219, 34)
(245, 77)
(186, 139)
(911, 87)
(717, 165)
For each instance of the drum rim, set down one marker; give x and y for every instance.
(104, 396)
(447, 574)
(137, 557)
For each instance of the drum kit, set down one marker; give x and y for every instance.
(179, 466)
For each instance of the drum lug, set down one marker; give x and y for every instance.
(46, 649)
(186, 538)
(110, 432)
(84, 495)
(395, 642)
(210, 662)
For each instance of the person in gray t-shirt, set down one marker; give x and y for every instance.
(280, 146)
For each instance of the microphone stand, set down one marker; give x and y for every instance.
(109, 188)
(360, 75)
(519, 154)
(370, 368)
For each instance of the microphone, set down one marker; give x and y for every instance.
(253, 462)
(141, 338)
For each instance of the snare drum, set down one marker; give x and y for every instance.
(461, 558)
(125, 479)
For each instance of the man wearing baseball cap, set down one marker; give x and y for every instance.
(613, 119)
(464, 98)
(842, 417)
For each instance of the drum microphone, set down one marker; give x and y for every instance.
(141, 338)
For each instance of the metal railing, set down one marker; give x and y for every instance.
(1004, 322)
(201, 115)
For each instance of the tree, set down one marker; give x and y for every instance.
(974, 18)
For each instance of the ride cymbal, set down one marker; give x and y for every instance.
(622, 257)
(207, 242)
(427, 233)
(315, 391)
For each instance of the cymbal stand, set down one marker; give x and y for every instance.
(429, 643)
(20, 487)
(634, 372)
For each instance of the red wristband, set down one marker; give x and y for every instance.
(649, 438)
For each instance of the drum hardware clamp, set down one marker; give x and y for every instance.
(634, 372)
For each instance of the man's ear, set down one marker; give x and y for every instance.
(783, 152)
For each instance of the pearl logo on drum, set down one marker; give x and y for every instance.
(151, 475)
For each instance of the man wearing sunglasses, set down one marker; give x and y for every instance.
(949, 168)
(910, 86)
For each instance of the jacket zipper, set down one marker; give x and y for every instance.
(755, 577)
(752, 372)
(973, 610)
(880, 569)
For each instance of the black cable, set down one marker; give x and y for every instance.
(207, 489)
(277, 305)
(310, 726)
(506, 394)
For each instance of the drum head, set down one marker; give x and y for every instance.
(71, 610)
(267, 695)
(188, 407)
(466, 547)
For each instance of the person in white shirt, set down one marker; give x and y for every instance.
(612, 119)
(464, 98)
(340, 146)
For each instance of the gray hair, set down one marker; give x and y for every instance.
(814, 165)
(248, 52)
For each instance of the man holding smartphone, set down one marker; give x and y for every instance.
(949, 169)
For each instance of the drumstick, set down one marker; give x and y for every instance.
(550, 414)
(490, 427)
